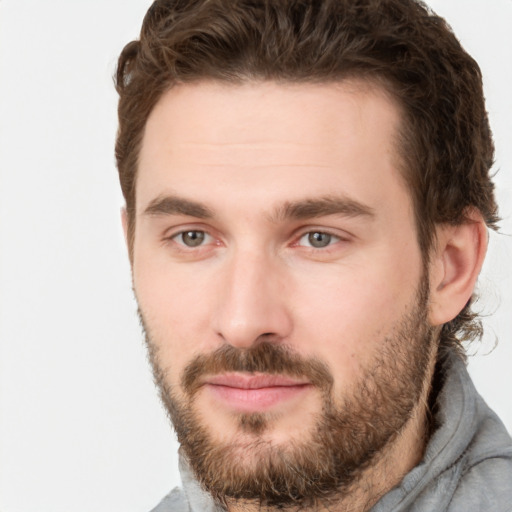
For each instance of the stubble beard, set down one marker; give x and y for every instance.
(347, 438)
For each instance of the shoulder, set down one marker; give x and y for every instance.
(175, 501)
(485, 484)
(485, 467)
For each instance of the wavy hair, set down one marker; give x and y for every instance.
(445, 142)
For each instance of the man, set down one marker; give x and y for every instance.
(307, 200)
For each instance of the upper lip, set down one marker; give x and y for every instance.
(254, 381)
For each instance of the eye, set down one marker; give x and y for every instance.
(318, 239)
(192, 238)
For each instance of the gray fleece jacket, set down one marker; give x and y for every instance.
(467, 465)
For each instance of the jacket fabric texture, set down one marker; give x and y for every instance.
(467, 465)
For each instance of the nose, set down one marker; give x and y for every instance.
(251, 304)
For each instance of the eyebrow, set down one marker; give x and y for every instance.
(172, 205)
(291, 210)
(319, 207)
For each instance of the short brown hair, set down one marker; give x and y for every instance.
(445, 142)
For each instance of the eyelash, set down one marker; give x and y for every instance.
(309, 234)
(332, 239)
(180, 247)
(203, 233)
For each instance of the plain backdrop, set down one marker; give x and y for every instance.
(81, 427)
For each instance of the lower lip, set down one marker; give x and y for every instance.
(256, 400)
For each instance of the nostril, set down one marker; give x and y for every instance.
(267, 337)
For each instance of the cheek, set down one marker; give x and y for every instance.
(344, 318)
(175, 314)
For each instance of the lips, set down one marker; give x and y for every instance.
(253, 392)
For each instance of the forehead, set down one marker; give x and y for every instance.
(213, 139)
(219, 112)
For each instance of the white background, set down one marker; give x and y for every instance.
(81, 428)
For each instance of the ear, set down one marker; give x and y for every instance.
(454, 267)
(124, 222)
(128, 233)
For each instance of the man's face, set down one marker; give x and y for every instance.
(279, 278)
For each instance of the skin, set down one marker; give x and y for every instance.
(226, 162)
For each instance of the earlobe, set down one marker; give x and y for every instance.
(455, 265)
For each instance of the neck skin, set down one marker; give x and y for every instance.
(398, 457)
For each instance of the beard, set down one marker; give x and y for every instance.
(348, 435)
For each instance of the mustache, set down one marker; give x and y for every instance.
(265, 357)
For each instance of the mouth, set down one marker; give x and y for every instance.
(254, 392)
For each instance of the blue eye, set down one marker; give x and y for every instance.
(192, 238)
(318, 239)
